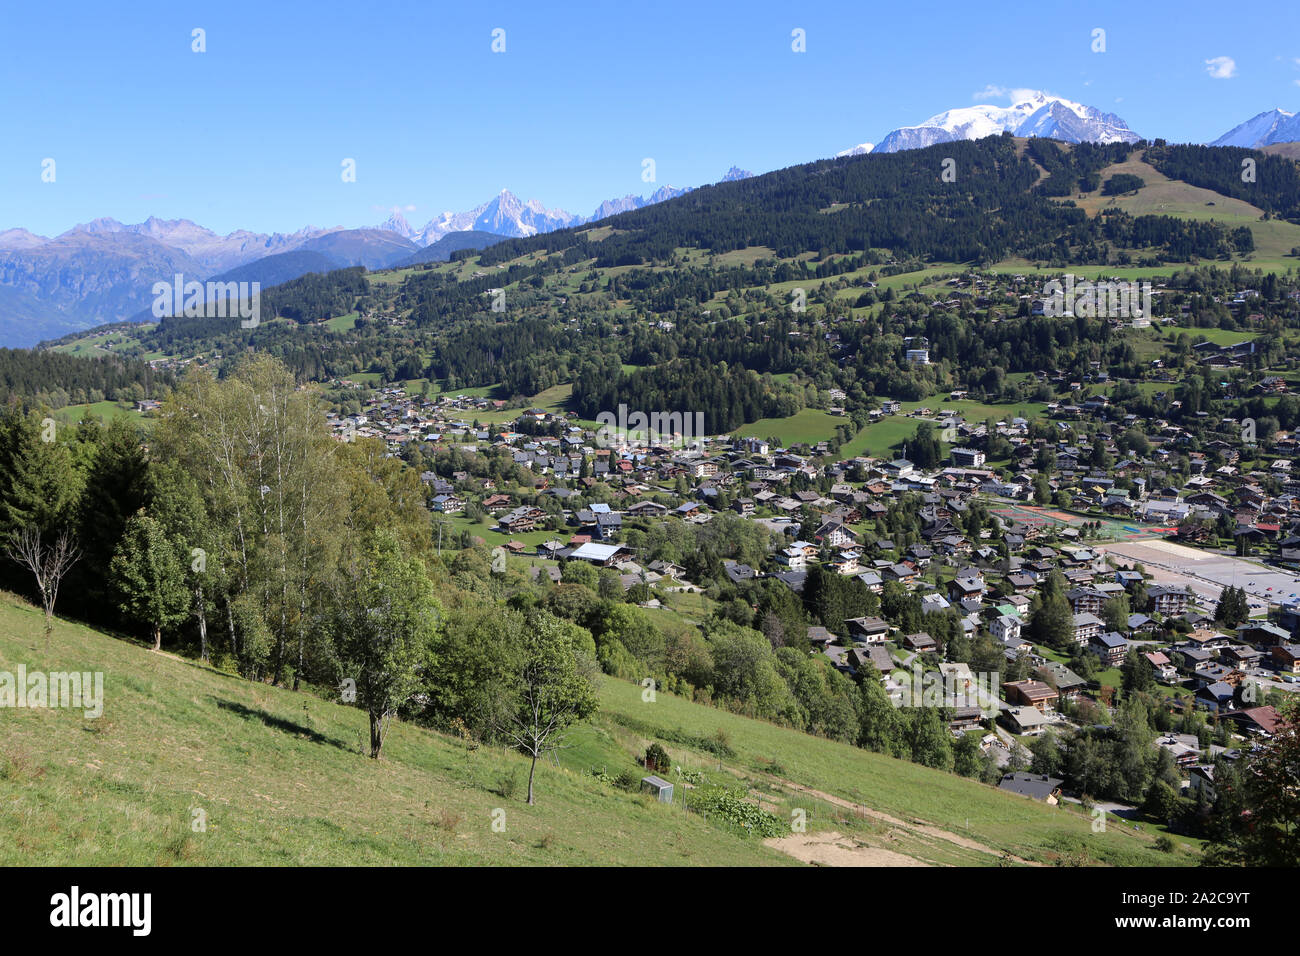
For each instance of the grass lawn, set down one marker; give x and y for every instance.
(807, 426)
(882, 438)
(1217, 336)
(342, 323)
(108, 411)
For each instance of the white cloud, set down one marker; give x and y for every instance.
(1221, 67)
(1014, 94)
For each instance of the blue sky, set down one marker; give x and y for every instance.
(252, 133)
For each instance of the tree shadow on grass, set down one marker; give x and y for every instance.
(280, 723)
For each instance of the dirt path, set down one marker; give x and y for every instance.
(923, 829)
(834, 849)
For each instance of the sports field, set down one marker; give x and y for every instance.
(1049, 518)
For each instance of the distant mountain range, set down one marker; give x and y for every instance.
(507, 215)
(104, 270)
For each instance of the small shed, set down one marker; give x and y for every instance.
(661, 788)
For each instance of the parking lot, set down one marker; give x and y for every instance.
(1207, 574)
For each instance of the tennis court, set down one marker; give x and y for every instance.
(1050, 518)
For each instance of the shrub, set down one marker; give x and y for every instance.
(657, 759)
(729, 805)
(508, 784)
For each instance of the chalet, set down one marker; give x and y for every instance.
(1140, 624)
(965, 718)
(1200, 779)
(921, 642)
(1033, 785)
(667, 569)
(1239, 655)
(877, 656)
(1022, 582)
(1031, 693)
(608, 525)
(1005, 626)
(522, 519)
(968, 584)
(835, 534)
(1162, 666)
(1192, 658)
(1023, 721)
(1256, 721)
(1216, 697)
(874, 582)
(1286, 657)
(737, 572)
(820, 635)
(1263, 635)
(793, 558)
(1110, 646)
(902, 573)
(447, 504)
(1184, 748)
(846, 562)
(867, 630)
(1068, 684)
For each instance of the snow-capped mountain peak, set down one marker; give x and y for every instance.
(397, 223)
(1271, 126)
(507, 215)
(1034, 113)
(860, 150)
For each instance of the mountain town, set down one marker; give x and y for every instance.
(921, 503)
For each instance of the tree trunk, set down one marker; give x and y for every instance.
(230, 627)
(531, 770)
(376, 735)
(157, 638)
(203, 632)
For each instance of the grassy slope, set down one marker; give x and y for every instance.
(1170, 197)
(1000, 821)
(281, 780)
